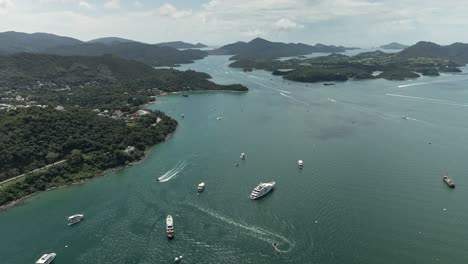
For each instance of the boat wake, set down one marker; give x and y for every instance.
(423, 83)
(173, 172)
(294, 99)
(331, 100)
(438, 101)
(277, 241)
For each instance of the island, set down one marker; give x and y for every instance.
(66, 119)
(426, 59)
(181, 45)
(394, 46)
(259, 48)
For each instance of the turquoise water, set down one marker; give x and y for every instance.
(370, 191)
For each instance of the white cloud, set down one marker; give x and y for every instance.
(112, 4)
(5, 4)
(171, 11)
(285, 24)
(137, 4)
(85, 5)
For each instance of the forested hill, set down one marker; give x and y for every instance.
(150, 54)
(34, 137)
(456, 52)
(14, 42)
(81, 109)
(263, 49)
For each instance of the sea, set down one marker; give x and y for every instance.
(371, 189)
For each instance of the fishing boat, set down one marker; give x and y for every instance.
(300, 163)
(169, 227)
(242, 156)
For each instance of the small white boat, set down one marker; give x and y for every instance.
(178, 259)
(404, 117)
(261, 190)
(219, 118)
(300, 163)
(242, 156)
(201, 187)
(46, 258)
(75, 219)
(169, 227)
(182, 115)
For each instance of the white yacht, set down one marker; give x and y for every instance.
(300, 163)
(169, 227)
(261, 190)
(46, 258)
(201, 187)
(75, 219)
(242, 156)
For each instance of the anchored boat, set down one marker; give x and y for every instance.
(169, 227)
(261, 190)
(201, 187)
(75, 219)
(46, 258)
(242, 156)
(450, 183)
(300, 163)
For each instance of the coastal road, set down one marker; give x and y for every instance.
(38, 169)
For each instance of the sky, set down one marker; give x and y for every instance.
(361, 23)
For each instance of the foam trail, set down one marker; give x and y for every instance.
(294, 99)
(172, 172)
(423, 83)
(255, 232)
(429, 99)
(283, 91)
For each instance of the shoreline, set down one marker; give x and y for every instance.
(22, 200)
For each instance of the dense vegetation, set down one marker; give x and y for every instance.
(33, 137)
(146, 53)
(91, 117)
(456, 52)
(337, 67)
(263, 49)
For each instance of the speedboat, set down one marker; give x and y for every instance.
(242, 156)
(169, 227)
(300, 163)
(46, 258)
(261, 190)
(75, 219)
(201, 187)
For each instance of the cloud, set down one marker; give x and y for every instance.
(5, 4)
(112, 4)
(285, 24)
(169, 10)
(85, 5)
(137, 4)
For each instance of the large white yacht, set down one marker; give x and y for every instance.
(169, 227)
(261, 190)
(75, 219)
(46, 258)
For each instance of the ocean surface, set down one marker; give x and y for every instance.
(371, 190)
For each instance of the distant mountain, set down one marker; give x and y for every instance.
(146, 53)
(15, 42)
(261, 48)
(394, 45)
(181, 45)
(456, 52)
(110, 40)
